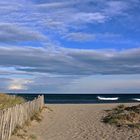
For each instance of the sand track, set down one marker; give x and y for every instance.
(79, 122)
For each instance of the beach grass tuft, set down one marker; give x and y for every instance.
(124, 116)
(7, 101)
(37, 116)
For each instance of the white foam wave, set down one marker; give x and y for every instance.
(103, 98)
(136, 99)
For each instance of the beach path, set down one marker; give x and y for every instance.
(78, 122)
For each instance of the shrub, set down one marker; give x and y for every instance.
(124, 116)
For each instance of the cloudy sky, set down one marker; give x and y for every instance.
(75, 46)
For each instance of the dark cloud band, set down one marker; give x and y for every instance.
(70, 61)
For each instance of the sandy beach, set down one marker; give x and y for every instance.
(78, 122)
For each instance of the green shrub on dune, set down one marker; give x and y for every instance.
(7, 101)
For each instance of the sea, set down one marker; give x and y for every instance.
(83, 98)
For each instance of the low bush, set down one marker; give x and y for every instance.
(124, 116)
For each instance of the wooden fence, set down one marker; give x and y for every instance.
(16, 116)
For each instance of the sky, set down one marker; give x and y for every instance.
(75, 46)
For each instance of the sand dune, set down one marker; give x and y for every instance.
(79, 122)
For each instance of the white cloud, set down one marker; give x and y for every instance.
(54, 5)
(79, 36)
(59, 17)
(71, 61)
(75, 84)
(104, 37)
(104, 84)
(117, 7)
(89, 17)
(19, 84)
(13, 33)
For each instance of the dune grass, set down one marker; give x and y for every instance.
(124, 116)
(7, 101)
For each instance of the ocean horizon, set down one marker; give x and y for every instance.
(83, 98)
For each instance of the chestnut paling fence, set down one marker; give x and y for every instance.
(17, 116)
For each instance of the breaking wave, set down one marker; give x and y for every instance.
(107, 98)
(136, 99)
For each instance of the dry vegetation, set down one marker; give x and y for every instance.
(22, 132)
(124, 116)
(9, 100)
